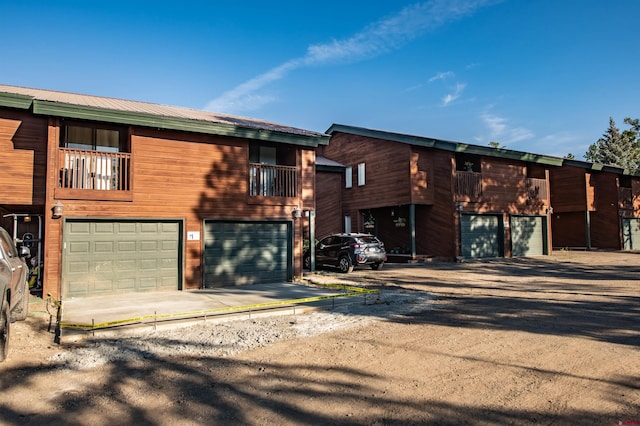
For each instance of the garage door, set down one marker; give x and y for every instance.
(481, 236)
(239, 253)
(108, 257)
(527, 235)
(631, 233)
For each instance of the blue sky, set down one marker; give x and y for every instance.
(535, 75)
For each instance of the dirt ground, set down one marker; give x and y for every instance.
(549, 340)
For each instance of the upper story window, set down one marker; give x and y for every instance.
(93, 137)
(361, 174)
(348, 177)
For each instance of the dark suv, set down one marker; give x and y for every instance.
(346, 251)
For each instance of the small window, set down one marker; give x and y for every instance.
(361, 175)
(348, 177)
(347, 224)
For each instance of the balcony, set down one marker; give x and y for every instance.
(93, 175)
(537, 189)
(266, 180)
(468, 184)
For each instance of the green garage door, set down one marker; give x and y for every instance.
(108, 257)
(527, 235)
(243, 252)
(481, 236)
(631, 233)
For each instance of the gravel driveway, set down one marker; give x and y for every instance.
(549, 340)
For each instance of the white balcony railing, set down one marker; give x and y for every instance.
(95, 170)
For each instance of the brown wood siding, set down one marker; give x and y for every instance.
(387, 170)
(504, 188)
(605, 221)
(635, 195)
(421, 177)
(569, 229)
(568, 189)
(329, 203)
(22, 158)
(187, 177)
(436, 233)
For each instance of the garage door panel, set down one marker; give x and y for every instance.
(481, 236)
(527, 235)
(240, 253)
(631, 233)
(120, 256)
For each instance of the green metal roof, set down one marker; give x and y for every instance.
(111, 110)
(447, 145)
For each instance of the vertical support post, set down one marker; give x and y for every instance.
(412, 230)
(312, 240)
(587, 218)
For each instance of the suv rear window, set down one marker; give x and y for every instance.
(367, 240)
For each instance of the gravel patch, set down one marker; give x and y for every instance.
(220, 339)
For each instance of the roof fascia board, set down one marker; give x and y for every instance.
(447, 145)
(171, 123)
(14, 100)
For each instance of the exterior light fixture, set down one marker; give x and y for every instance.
(550, 210)
(296, 213)
(57, 210)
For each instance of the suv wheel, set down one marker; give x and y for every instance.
(376, 266)
(5, 328)
(345, 265)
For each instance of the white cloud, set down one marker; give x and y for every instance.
(501, 131)
(375, 39)
(441, 76)
(455, 95)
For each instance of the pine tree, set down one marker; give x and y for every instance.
(618, 148)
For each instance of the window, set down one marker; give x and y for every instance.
(347, 224)
(348, 177)
(88, 137)
(361, 176)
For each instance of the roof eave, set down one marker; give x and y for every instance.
(447, 145)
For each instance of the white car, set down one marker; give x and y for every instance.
(15, 288)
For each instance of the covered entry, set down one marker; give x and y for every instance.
(107, 257)
(528, 235)
(481, 235)
(631, 233)
(247, 252)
